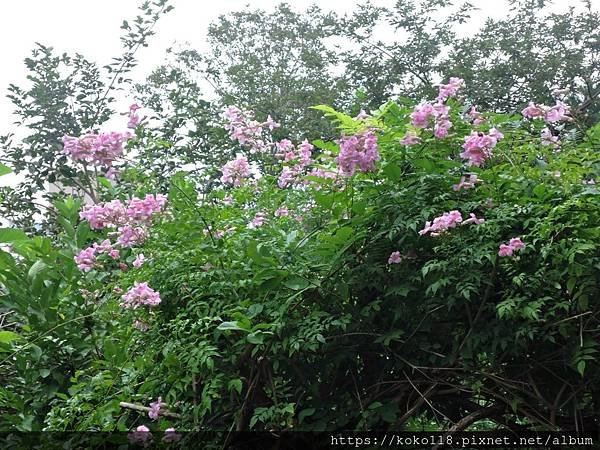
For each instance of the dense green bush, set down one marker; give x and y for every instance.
(289, 308)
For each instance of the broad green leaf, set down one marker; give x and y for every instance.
(8, 336)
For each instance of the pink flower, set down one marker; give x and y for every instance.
(476, 116)
(141, 435)
(305, 152)
(547, 138)
(236, 171)
(450, 89)
(395, 258)
(473, 219)
(134, 121)
(112, 173)
(139, 260)
(171, 435)
(513, 245)
(361, 115)
(533, 111)
(286, 178)
(130, 236)
(114, 253)
(463, 184)
(97, 149)
(516, 243)
(442, 223)
(284, 145)
(358, 152)
(410, 138)
(140, 294)
(440, 130)
(271, 123)
(282, 212)
(86, 259)
(123, 266)
(245, 130)
(142, 210)
(478, 146)
(557, 112)
(422, 115)
(155, 408)
(103, 215)
(258, 221)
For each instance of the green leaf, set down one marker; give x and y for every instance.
(256, 338)
(235, 385)
(9, 235)
(8, 336)
(393, 172)
(232, 326)
(305, 413)
(4, 170)
(296, 283)
(36, 268)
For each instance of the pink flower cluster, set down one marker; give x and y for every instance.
(358, 152)
(450, 89)
(437, 114)
(300, 157)
(466, 184)
(97, 149)
(426, 113)
(282, 211)
(513, 245)
(155, 408)
(448, 220)
(478, 146)
(476, 116)
(548, 139)
(555, 113)
(258, 221)
(134, 118)
(86, 259)
(442, 223)
(140, 294)
(131, 221)
(115, 213)
(246, 131)
(236, 171)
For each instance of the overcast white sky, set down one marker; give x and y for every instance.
(91, 27)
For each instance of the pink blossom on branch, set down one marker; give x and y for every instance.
(513, 245)
(358, 152)
(450, 89)
(140, 294)
(155, 408)
(395, 258)
(139, 260)
(478, 146)
(442, 223)
(236, 171)
(466, 184)
(97, 149)
(86, 259)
